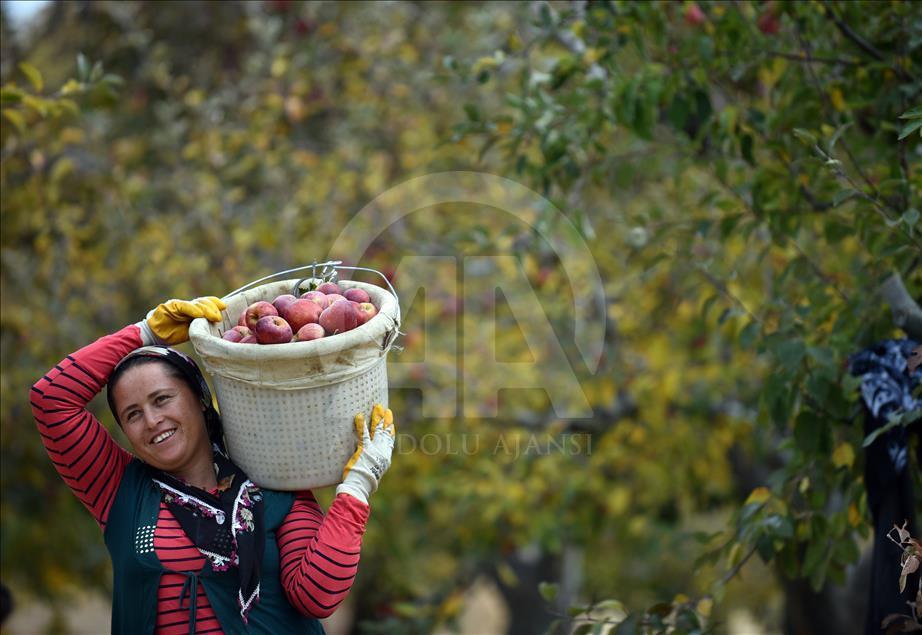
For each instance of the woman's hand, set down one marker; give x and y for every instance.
(169, 322)
(364, 470)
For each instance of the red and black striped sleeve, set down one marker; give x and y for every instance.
(320, 554)
(81, 449)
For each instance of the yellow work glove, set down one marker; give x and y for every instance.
(169, 323)
(364, 470)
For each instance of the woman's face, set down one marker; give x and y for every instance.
(163, 419)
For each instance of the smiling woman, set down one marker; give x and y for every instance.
(177, 513)
(162, 416)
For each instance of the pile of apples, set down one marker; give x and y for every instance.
(320, 313)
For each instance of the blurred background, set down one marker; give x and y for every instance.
(745, 176)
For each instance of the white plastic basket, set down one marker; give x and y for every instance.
(287, 409)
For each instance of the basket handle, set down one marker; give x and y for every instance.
(286, 272)
(325, 270)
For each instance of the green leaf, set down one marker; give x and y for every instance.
(807, 137)
(843, 195)
(914, 113)
(894, 420)
(790, 353)
(911, 216)
(909, 128)
(822, 355)
(472, 113)
(112, 79)
(33, 75)
(83, 68)
(748, 335)
(809, 433)
(548, 591)
(609, 605)
(706, 307)
(10, 95)
(837, 134)
(97, 72)
(746, 149)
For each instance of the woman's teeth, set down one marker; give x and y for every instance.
(163, 436)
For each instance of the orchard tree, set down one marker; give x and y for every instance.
(756, 165)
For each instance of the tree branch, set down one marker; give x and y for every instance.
(907, 314)
(861, 43)
(798, 57)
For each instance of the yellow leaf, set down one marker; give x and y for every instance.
(734, 557)
(33, 75)
(484, 63)
(759, 495)
(16, 119)
(804, 485)
(837, 99)
(854, 516)
(279, 66)
(704, 607)
(843, 455)
(507, 574)
(592, 55)
(72, 86)
(36, 103)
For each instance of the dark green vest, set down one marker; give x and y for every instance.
(129, 537)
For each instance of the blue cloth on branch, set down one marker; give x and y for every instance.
(887, 388)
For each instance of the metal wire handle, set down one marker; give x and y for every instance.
(287, 271)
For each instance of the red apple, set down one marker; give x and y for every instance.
(242, 320)
(329, 287)
(317, 297)
(258, 310)
(334, 297)
(271, 329)
(301, 312)
(237, 333)
(694, 15)
(283, 301)
(249, 339)
(356, 295)
(768, 23)
(339, 317)
(310, 332)
(366, 311)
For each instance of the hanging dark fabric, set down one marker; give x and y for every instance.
(886, 388)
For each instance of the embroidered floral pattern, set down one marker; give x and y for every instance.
(248, 495)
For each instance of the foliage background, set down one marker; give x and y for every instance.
(737, 170)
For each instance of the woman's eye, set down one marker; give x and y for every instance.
(132, 415)
(163, 398)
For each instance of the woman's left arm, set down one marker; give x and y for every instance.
(320, 554)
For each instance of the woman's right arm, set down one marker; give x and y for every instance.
(84, 454)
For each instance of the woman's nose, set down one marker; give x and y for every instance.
(151, 417)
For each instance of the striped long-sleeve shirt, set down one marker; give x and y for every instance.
(319, 553)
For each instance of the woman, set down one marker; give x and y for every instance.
(196, 547)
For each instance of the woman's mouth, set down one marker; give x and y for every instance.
(163, 436)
